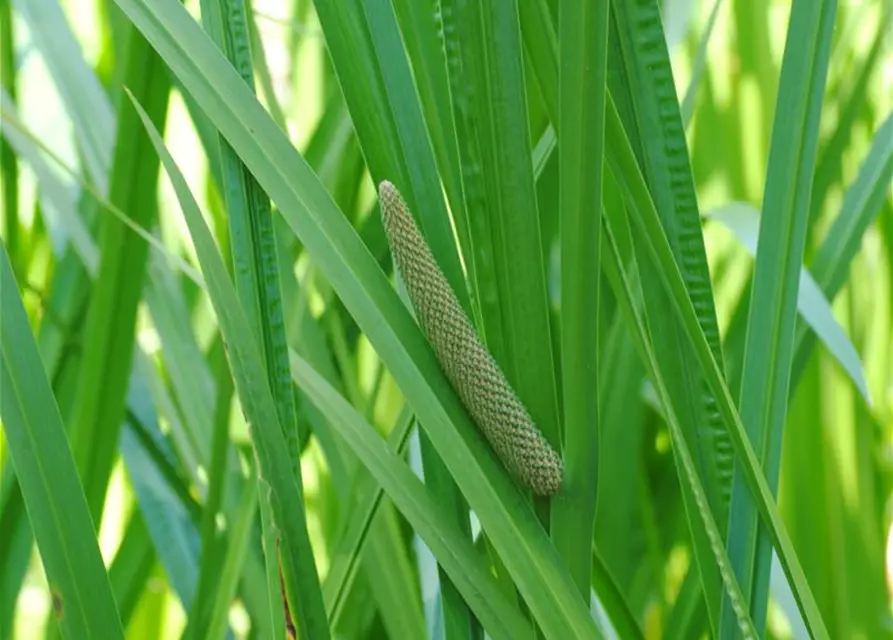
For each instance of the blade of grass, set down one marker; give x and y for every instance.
(541, 43)
(861, 204)
(646, 84)
(173, 520)
(9, 164)
(452, 549)
(205, 421)
(87, 105)
(29, 138)
(395, 587)
(459, 32)
(388, 569)
(111, 317)
(647, 224)
(616, 274)
(622, 417)
(261, 68)
(418, 25)
(260, 408)
(162, 493)
(231, 568)
(57, 508)
(457, 619)
(583, 35)
(831, 156)
(94, 131)
(812, 306)
(367, 499)
(252, 244)
(687, 108)
(364, 41)
(772, 317)
(57, 198)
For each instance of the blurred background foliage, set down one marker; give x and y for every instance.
(63, 65)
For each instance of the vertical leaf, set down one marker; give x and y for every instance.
(9, 168)
(57, 508)
(111, 318)
(484, 58)
(583, 31)
(654, 117)
(650, 233)
(772, 316)
(256, 270)
(260, 408)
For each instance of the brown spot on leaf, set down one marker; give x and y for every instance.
(290, 630)
(58, 604)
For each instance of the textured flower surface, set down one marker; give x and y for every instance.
(471, 369)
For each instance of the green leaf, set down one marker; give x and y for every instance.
(367, 498)
(687, 107)
(453, 550)
(57, 508)
(615, 269)
(831, 155)
(9, 164)
(744, 222)
(168, 511)
(652, 114)
(418, 25)
(541, 43)
(370, 60)
(58, 200)
(772, 318)
(87, 105)
(231, 569)
(110, 325)
(257, 402)
(650, 233)
(364, 41)
(861, 204)
(583, 31)
(256, 271)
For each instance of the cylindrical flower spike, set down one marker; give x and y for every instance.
(471, 369)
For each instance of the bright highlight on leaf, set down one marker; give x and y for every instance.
(480, 383)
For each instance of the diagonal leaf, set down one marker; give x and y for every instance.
(652, 115)
(452, 549)
(626, 297)
(57, 508)
(772, 317)
(370, 60)
(257, 401)
(861, 204)
(86, 101)
(256, 272)
(650, 233)
(744, 222)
